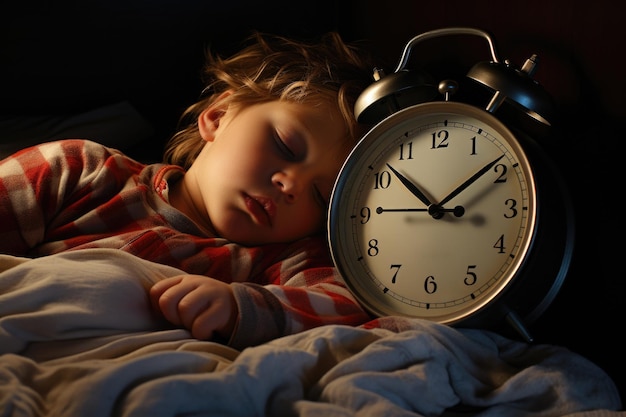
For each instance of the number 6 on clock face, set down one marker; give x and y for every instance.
(433, 212)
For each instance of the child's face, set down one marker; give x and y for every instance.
(267, 170)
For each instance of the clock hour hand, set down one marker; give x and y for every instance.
(470, 181)
(410, 186)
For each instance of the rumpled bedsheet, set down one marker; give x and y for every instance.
(78, 339)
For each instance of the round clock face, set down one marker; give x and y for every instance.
(433, 213)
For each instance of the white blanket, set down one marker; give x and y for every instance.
(78, 339)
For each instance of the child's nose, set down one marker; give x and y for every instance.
(287, 184)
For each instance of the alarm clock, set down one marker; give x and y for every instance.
(451, 210)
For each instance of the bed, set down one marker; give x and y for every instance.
(78, 338)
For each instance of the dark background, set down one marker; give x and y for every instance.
(59, 58)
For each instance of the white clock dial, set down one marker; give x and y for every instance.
(433, 212)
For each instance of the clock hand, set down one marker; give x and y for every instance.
(411, 187)
(434, 210)
(380, 210)
(470, 181)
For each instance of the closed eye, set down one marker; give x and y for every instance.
(283, 148)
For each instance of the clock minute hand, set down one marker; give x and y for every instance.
(410, 186)
(469, 181)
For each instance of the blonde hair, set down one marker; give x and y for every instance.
(276, 68)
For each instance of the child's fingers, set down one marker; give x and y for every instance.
(165, 305)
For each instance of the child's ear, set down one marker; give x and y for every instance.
(209, 119)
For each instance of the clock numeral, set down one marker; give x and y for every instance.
(395, 267)
(365, 215)
(382, 180)
(473, 140)
(502, 177)
(408, 151)
(372, 247)
(440, 139)
(512, 206)
(500, 244)
(430, 286)
(471, 277)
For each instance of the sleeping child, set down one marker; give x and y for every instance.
(238, 206)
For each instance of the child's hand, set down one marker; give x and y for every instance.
(203, 305)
